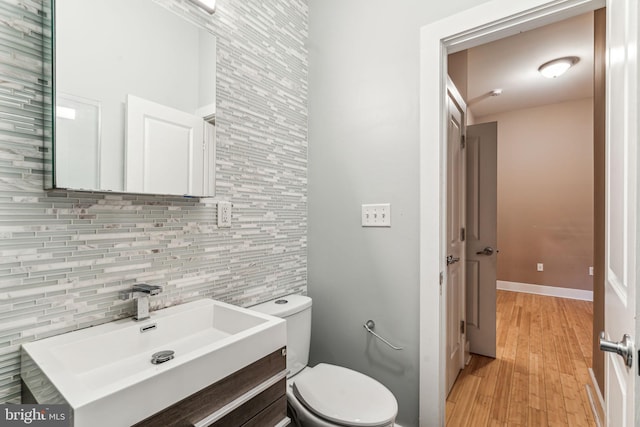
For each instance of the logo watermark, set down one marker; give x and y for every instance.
(35, 415)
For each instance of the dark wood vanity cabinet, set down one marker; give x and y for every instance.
(254, 396)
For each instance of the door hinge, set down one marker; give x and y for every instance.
(463, 141)
(463, 234)
(462, 327)
(441, 281)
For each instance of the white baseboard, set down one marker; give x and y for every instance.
(550, 291)
(596, 400)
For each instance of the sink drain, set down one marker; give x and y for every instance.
(162, 356)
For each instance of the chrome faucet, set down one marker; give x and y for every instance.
(141, 293)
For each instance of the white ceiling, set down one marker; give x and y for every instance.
(511, 64)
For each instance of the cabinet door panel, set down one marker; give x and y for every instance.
(164, 150)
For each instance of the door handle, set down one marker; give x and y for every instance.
(452, 260)
(624, 348)
(486, 251)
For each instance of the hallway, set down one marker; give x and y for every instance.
(538, 377)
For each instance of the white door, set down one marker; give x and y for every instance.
(481, 221)
(455, 241)
(621, 206)
(165, 150)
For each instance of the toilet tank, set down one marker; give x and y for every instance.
(296, 310)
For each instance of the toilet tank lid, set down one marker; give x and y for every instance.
(284, 306)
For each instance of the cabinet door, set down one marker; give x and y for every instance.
(165, 152)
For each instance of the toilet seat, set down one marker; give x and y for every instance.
(345, 397)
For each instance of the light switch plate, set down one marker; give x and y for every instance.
(224, 214)
(378, 215)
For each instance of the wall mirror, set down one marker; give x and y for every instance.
(134, 94)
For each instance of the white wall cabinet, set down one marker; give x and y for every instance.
(158, 54)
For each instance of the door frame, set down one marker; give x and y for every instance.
(487, 22)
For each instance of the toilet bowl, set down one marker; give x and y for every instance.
(326, 395)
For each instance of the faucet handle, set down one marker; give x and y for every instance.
(146, 288)
(139, 287)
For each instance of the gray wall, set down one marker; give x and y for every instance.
(364, 148)
(64, 256)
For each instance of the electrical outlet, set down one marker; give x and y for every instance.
(224, 214)
(376, 215)
(540, 266)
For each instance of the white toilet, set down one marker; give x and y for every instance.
(326, 395)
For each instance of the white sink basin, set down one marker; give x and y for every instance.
(106, 375)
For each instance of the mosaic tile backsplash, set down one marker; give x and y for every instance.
(64, 256)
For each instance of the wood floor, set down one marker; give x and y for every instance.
(541, 369)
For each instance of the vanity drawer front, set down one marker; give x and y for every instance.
(256, 407)
(270, 416)
(191, 410)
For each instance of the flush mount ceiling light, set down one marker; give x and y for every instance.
(208, 5)
(557, 67)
